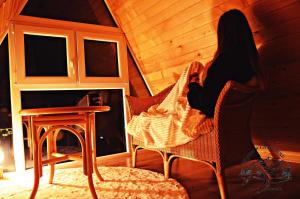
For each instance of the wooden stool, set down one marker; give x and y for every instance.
(63, 118)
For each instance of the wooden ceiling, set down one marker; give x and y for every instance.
(165, 36)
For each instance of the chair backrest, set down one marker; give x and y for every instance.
(232, 123)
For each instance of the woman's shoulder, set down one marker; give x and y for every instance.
(222, 61)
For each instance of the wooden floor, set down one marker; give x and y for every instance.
(199, 179)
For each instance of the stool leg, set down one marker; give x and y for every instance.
(36, 165)
(51, 144)
(29, 140)
(89, 160)
(40, 150)
(30, 145)
(94, 149)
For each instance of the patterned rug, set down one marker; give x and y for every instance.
(120, 183)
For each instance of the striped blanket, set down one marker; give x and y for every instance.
(172, 122)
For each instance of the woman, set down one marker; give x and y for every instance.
(173, 122)
(235, 59)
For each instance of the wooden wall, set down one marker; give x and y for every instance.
(277, 112)
(165, 36)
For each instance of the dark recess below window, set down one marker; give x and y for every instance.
(110, 132)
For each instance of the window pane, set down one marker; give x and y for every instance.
(45, 56)
(101, 59)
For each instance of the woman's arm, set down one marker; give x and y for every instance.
(204, 97)
(194, 95)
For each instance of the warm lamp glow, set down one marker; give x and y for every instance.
(1, 160)
(1, 156)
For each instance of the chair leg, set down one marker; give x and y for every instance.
(222, 184)
(166, 165)
(168, 161)
(133, 155)
(267, 171)
(261, 163)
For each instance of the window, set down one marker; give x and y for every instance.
(101, 57)
(44, 55)
(54, 55)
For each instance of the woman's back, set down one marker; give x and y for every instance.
(227, 66)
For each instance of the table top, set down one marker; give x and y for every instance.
(63, 110)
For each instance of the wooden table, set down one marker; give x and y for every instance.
(75, 120)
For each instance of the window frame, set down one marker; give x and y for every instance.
(20, 31)
(121, 56)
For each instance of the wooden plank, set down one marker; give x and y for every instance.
(192, 29)
(201, 40)
(161, 84)
(166, 62)
(139, 7)
(281, 50)
(156, 14)
(281, 15)
(264, 7)
(177, 36)
(189, 36)
(131, 15)
(176, 14)
(156, 75)
(174, 26)
(116, 4)
(179, 51)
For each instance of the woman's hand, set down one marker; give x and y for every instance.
(194, 78)
(195, 69)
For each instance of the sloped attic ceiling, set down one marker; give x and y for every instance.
(165, 36)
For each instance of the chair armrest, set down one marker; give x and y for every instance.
(140, 104)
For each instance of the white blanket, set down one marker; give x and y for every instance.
(171, 123)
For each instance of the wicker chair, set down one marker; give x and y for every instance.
(228, 142)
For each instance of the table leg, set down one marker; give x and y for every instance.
(35, 160)
(89, 161)
(94, 149)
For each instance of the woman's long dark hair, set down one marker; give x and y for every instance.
(235, 36)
